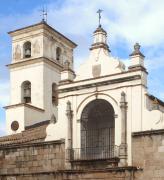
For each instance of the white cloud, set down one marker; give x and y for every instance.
(126, 22)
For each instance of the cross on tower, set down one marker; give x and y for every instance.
(44, 14)
(99, 12)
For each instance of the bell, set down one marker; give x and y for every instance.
(28, 53)
(27, 93)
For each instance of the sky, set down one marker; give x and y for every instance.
(125, 21)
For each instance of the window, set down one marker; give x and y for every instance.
(27, 49)
(26, 91)
(54, 94)
(58, 53)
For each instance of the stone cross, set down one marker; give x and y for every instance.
(99, 12)
(44, 14)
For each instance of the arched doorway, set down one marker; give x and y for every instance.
(97, 130)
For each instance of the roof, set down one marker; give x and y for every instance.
(31, 134)
(153, 98)
(44, 24)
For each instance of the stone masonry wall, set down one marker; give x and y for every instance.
(148, 154)
(32, 158)
(106, 174)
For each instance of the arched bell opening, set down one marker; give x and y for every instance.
(97, 130)
(26, 92)
(27, 49)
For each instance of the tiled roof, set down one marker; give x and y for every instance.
(30, 135)
(153, 98)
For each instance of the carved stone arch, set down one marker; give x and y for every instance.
(26, 92)
(36, 47)
(27, 49)
(17, 53)
(97, 129)
(92, 97)
(58, 53)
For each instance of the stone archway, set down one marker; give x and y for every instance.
(97, 130)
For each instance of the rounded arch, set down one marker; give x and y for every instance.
(98, 113)
(27, 49)
(98, 128)
(54, 94)
(58, 53)
(26, 92)
(92, 97)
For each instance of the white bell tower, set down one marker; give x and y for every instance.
(38, 55)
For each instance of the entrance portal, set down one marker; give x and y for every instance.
(97, 130)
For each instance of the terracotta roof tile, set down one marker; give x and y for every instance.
(34, 134)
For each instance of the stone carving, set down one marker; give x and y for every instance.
(36, 48)
(96, 70)
(17, 54)
(15, 125)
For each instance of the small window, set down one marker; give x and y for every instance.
(58, 53)
(26, 92)
(54, 94)
(27, 49)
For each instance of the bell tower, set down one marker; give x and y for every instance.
(38, 55)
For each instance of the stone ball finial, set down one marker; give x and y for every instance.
(123, 96)
(137, 50)
(137, 47)
(66, 64)
(68, 106)
(122, 93)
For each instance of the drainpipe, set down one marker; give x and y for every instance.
(123, 146)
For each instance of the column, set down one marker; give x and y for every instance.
(123, 146)
(69, 114)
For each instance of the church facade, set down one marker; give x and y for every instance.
(97, 123)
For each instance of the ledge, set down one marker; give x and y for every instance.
(85, 171)
(25, 105)
(102, 83)
(34, 61)
(35, 144)
(148, 133)
(41, 25)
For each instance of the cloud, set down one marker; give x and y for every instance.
(125, 21)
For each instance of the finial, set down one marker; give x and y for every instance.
(137, 50)
(66, 65)
(155, 101)
(44, 14)
(99, 12)
(123, 96)
(137, 47)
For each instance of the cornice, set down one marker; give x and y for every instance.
(41, 25)
(148, 133)
(102, 83)
(34, 61)
(24, 105)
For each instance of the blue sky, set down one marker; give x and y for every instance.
(125, 21)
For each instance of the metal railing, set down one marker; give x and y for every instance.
(95, 153)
